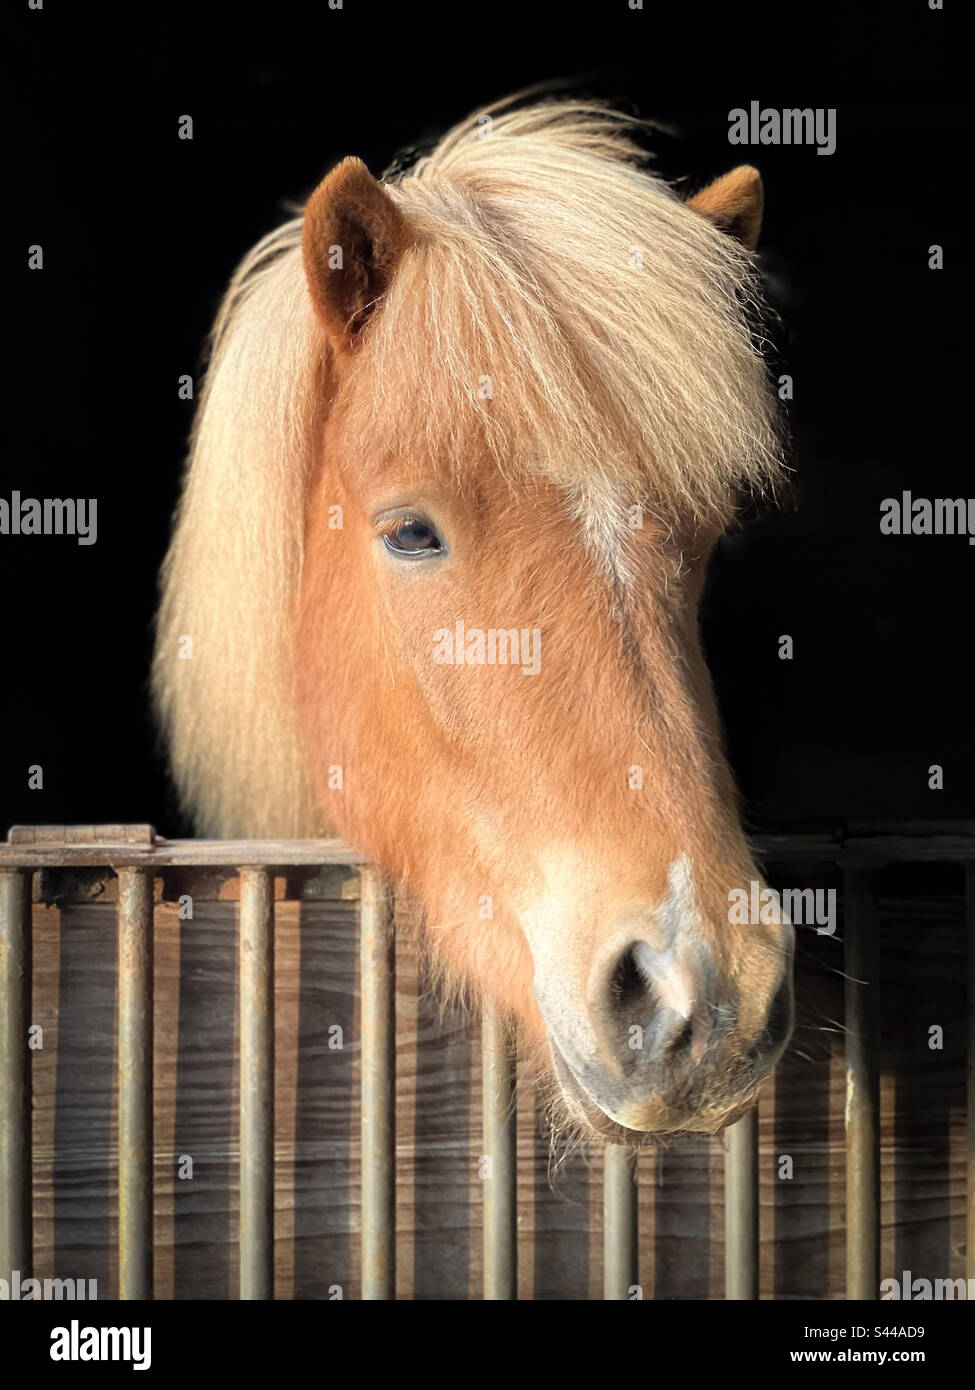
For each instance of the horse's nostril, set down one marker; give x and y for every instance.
(627, 984)
(684, 1039)
(778, 1026)
(651, 1009)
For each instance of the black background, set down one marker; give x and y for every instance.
(141, 232)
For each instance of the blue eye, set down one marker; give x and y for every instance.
(412, 535)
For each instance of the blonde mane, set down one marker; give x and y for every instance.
(560, 306)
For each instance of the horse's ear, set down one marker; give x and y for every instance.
(353, 238)
(734, 204)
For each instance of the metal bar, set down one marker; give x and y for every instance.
(256, 963)
(862, 1114)
(135, 1148)
(500, 1180)
(970, 933)
(16, 1234)
(741, 1261)
(378, 1015)
(620, 1222)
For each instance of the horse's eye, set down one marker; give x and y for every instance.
(412, 535)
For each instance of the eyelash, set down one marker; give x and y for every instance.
(392, 524)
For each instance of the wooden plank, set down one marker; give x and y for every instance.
(81, 835)
(237, 854)
(44, 846)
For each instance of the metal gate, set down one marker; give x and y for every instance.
(137, 855)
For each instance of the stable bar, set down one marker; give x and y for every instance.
(16, 1237)
(970, 935)
(500, 1177)
(862, 969)
(135, 1148)
(620, 1222)
(256, 962)
(741, 1263)
(377, 963)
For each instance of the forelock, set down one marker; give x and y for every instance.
(563, 315)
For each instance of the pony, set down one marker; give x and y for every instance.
(468, 436)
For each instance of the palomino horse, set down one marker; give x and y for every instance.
(467, 440)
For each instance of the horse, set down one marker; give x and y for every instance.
(468, 437)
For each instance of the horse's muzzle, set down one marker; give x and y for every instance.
(661, 1047)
